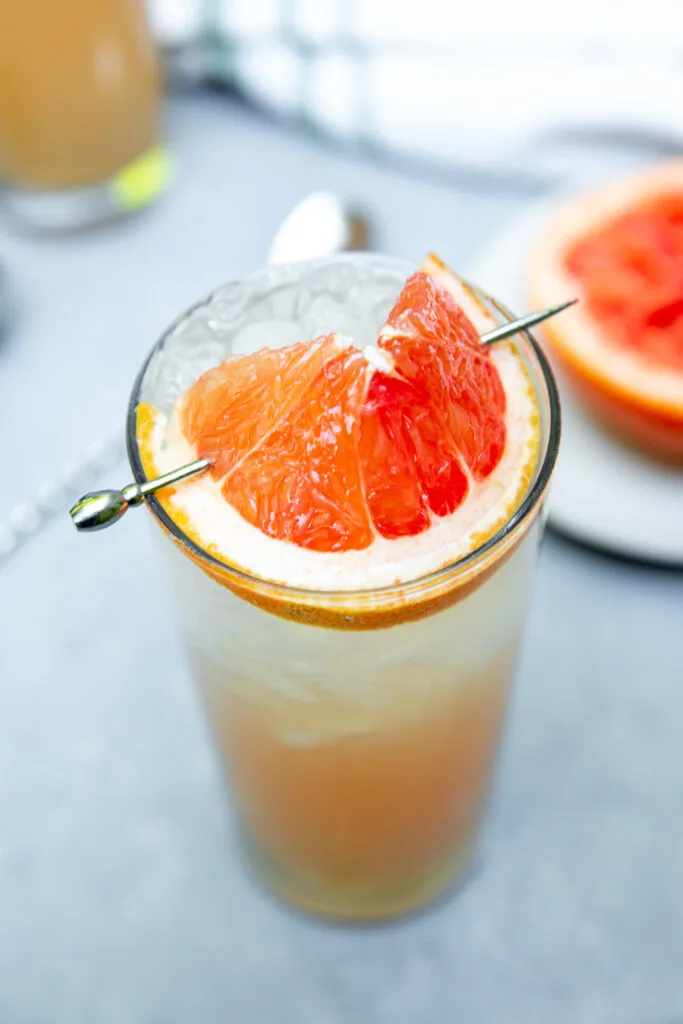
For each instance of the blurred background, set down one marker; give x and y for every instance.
(148, 154)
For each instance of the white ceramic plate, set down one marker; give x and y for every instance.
(602, 493)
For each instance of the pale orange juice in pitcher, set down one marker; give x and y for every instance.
(79, 109)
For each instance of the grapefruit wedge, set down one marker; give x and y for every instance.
(620, 248)
(329, 447)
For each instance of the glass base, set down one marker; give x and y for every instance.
(358, 903)
(135, 186)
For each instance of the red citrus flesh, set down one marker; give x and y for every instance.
(631, 272)
(316, 446)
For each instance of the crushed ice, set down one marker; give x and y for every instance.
(272, 308)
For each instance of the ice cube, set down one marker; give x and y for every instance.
(192, 347)
(325, 315)
(275, 307)
(266, 334)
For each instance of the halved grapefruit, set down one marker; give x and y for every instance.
(620, 248)
(328, 447)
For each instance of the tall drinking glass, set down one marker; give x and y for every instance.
(358, 730)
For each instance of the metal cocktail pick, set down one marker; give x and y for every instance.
(523, 323)
(98, 509)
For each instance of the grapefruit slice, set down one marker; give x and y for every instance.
(329, 447)
(621, 249)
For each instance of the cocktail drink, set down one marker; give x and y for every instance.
(352, 575)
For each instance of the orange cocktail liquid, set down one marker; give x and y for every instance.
(79, 90)
(388, 805)
(359, 761)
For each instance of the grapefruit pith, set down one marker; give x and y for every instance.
(620, 248)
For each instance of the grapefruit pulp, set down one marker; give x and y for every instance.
(621, 248)
(327, 446)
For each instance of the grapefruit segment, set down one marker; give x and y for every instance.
(433, 341)
(393, 493)
(328, 447)
(232, 407)
(303, 482)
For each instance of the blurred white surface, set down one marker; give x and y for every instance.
(511, 89)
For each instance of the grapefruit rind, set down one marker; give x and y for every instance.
(351, 609)
(643, 400)
(355, 611)
(317, 444)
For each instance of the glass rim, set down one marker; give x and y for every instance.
(521, 513)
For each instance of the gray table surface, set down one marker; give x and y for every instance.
(121, 895)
